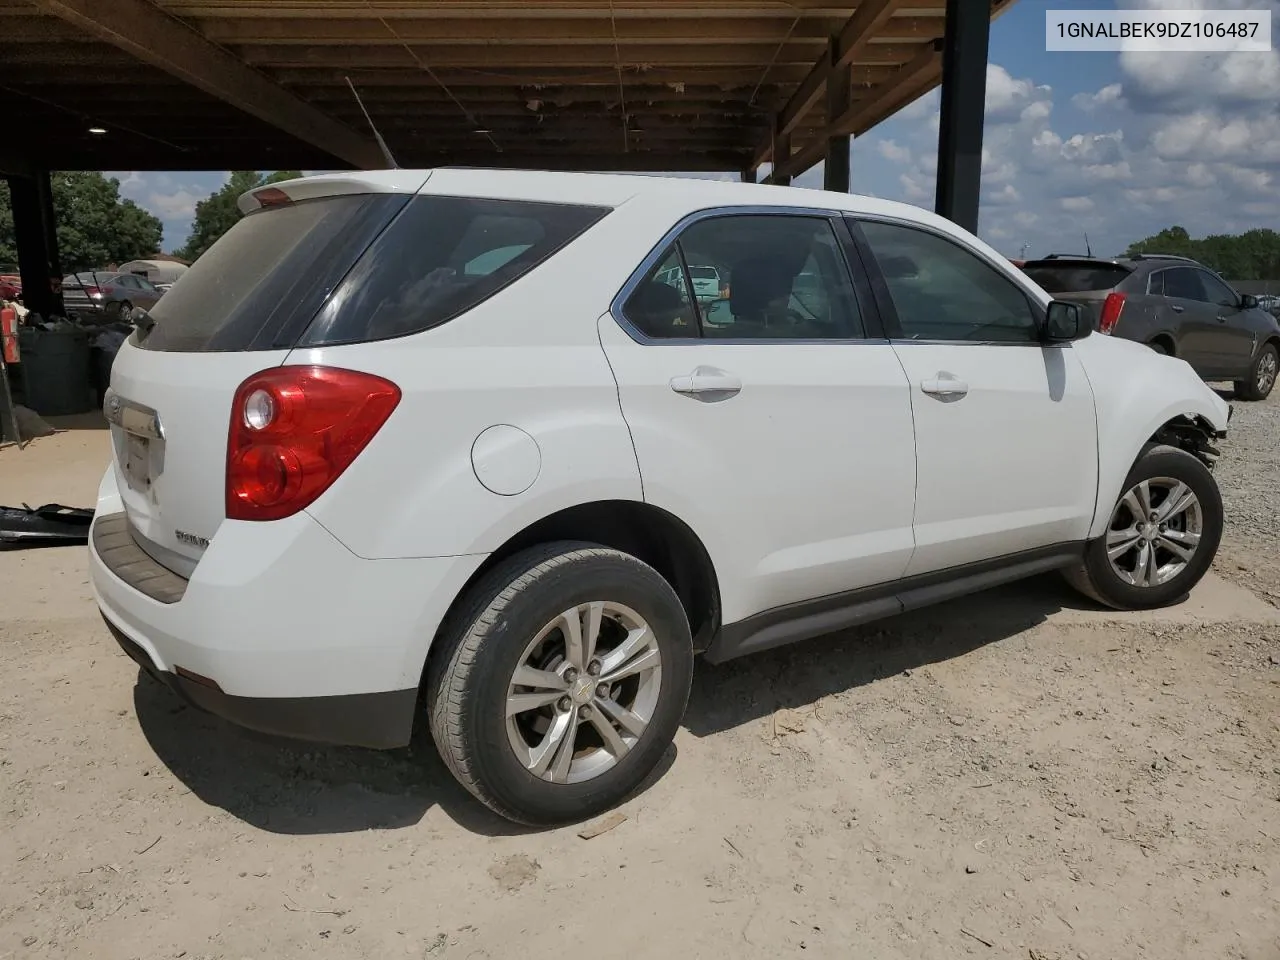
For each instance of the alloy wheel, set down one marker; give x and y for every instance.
(584, 692)
(1267, 367)
(1155, 531)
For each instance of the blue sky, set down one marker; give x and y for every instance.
(1115, 145)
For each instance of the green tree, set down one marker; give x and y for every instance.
(1252, 255)
(94, 226)
(219, 212)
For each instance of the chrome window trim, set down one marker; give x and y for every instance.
(1005, 269)
(711, 213)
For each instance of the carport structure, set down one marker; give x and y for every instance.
(639, 85)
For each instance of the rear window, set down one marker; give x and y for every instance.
(703, 273)
(259, 286)
(441, 257)
(1075, 278)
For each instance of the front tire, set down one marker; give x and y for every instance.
(561, 682)
(1162, 537)
(1262, 375)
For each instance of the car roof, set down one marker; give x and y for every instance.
(1151, 261)
(604, 189)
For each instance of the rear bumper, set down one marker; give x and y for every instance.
(281, 628)
(378, 720)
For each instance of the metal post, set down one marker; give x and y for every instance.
(835, 168)
(964, 94)
(748, 175)
(781, 153)
(33, 228)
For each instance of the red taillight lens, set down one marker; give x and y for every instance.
(1111, 308)
(294, 430)
(92, 292)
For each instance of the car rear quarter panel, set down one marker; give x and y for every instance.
(1136, 392)
(529, 357)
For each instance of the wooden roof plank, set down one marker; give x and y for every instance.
(146, 33)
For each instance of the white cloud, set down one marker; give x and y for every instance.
(1110, 94)
(1039, 110)
(1010, 99)
(1205, 156)
(179, 205)
(893, 151)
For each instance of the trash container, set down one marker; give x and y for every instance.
(55, 370)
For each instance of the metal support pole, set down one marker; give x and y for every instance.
(964, 93)
(781, 153)
(835, 169)
(33, 227)
(748, 175)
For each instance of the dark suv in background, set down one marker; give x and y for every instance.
(1175, 306)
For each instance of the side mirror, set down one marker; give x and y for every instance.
(1065, 322)
(1248, 301)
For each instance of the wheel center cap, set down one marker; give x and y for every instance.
(582, 690)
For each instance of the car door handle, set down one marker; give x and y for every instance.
(1222, 318)
(707, 383)
(1175, 308)
(945, 387)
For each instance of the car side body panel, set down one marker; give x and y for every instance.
(1136, 392)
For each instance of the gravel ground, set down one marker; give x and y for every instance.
(1015, 775)
(1249, 474)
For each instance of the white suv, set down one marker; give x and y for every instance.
(444, 438)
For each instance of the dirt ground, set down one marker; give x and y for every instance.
(1013, 775)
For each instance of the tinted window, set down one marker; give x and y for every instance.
(1183, 283)
(264, 280)
(125, 280)
(785, 278)
(1078, 278)
(441, 257)
(1155, 283)
(661, 305)
(1218, 292)
(943, 292)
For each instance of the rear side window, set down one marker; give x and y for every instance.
(1075, 278)
(264, 280)
(441, 257)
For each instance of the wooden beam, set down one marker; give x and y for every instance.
(501, 9)
(558, 31)
(500, 57)
(142, 30)
(912, 78)
(748, 75)
(857, 34)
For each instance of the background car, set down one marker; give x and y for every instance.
(1175, 306)
(110, 296)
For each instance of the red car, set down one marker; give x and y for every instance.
(10, 287)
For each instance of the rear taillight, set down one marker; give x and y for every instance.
(1111, 308)
(92, 291)
(294, 430)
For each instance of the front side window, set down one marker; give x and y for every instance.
(1184, 284)
(1218, 292)
(942, 291)
(751, 277)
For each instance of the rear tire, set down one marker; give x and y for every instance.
(1140, 564)
(539, 727)
(1262, 375)
(1159, 347)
